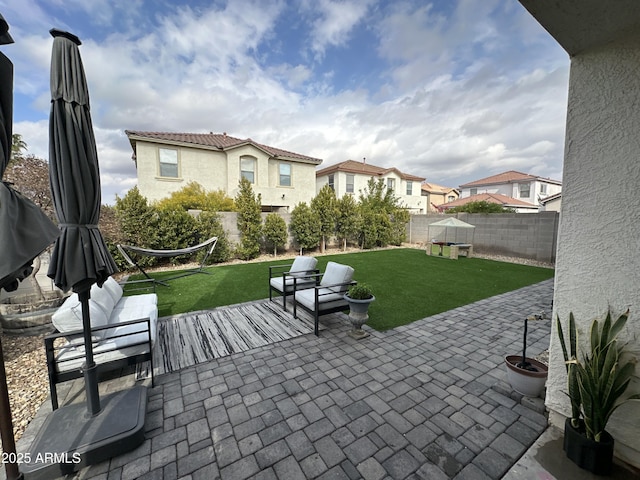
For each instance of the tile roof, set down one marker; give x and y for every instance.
(510, 176)
(351, 166)
(220, 141)
(433, 188)
(491, 198)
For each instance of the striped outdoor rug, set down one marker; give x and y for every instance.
(196, 337)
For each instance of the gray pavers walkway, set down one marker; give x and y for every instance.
(426, 400)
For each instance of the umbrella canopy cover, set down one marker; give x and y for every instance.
(25, 231)
(80, 256)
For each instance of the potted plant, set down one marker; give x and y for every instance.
(596, 383)
(359, 296)
(527, 375)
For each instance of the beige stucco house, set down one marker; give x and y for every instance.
(351, 177)
(520, 186)
(437, 195)
(597, 263)
(167, 162)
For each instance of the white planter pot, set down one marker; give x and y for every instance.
(526, 382)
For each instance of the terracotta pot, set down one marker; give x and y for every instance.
(595, 457)
(526, 382)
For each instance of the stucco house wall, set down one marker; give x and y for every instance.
(416, 203)
(597, 259)
(220, 169)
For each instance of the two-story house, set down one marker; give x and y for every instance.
(167, 162)
(517, 185)
(437, 195)
(351, 177)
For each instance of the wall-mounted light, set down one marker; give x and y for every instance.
(283, 196)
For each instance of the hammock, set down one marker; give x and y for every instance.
(149, 252)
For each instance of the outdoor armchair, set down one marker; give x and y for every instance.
(327, 296)
(283, 279)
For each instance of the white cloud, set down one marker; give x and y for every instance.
(459, 102)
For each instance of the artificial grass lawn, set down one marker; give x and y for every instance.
(408, 285)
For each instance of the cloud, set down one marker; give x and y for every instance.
(334, 22)
(446, 94)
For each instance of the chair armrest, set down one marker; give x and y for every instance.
(278, 269)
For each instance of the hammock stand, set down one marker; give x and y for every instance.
(125, 249)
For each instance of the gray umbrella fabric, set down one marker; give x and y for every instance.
(25, 231)
(80, 257)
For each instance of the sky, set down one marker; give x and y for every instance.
(449, 90)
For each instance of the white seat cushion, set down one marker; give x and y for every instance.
(301, 283)
(336, 274)
(327, 299)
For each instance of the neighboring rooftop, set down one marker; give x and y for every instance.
(213, 141)
(433, 188)
(510, 176)
(351, 166)
(498, 198)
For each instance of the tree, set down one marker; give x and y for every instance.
(480, 207)
(194, 197)
(324, 206)
(209, 225)
(137, 219)
(275, 231)
(249, 220)
(305, 226)
(379, 208)
(17, 144)
(30, 177)
(348, 219)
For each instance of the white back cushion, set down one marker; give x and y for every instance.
(303, 264)
(114, 288)
(336, 273)
(103, 298)
(63, 319)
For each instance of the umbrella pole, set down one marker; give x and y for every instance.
(90, 369)
(6, 425)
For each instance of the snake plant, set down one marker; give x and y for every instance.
(598, 381)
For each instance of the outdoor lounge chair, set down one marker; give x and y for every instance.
(284, 278)
(327, 296)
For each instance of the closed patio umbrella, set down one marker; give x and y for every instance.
(80, 258)
(25, 231)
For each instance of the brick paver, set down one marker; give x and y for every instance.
(417, 400)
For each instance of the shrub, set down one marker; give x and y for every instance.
(305, 227)
(275, 232)
(360, 291)
(249, 221)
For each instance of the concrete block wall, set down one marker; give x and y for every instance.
(524, 235)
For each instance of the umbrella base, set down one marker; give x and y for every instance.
(70, 439)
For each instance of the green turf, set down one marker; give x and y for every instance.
(408, 284)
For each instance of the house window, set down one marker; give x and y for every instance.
(391, 183)
(285, 175)
(409, 188)
(450, 198)
(248, 168)
(332, 182)
(350, 180)
(473, 191)
(543, 188)
(525, 190)
(168, 162)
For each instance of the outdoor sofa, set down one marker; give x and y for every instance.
(123, 330)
